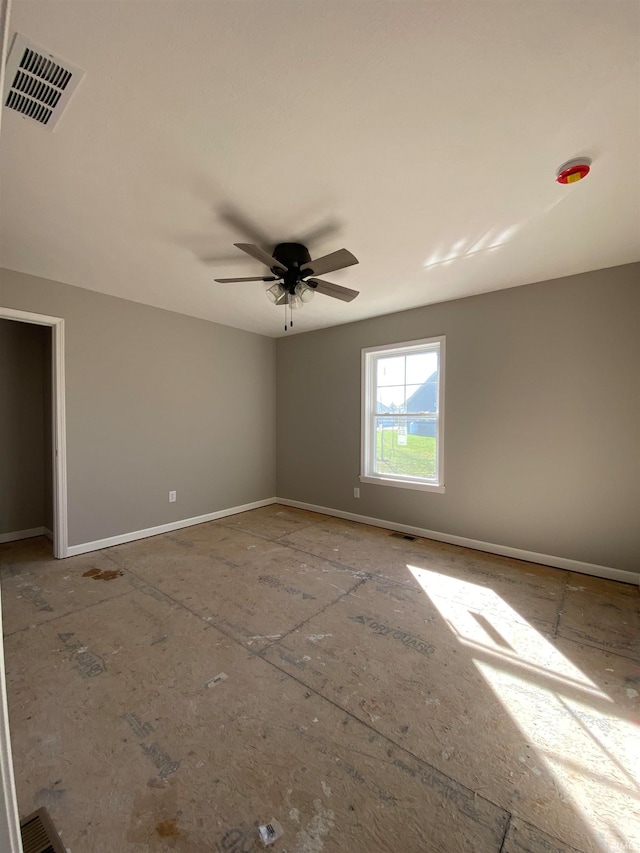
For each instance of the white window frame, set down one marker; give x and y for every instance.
(368, 404)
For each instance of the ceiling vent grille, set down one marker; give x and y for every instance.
(38, 85)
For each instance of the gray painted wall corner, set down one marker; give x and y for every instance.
(155, 401)
(542, 436)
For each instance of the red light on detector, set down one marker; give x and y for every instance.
(573, 171)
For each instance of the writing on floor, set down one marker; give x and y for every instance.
(140, 728)
(411, 641)
(87, 663)
(164, 764)
(276, 583)
(34, 595)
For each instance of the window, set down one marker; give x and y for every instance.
(403, 415)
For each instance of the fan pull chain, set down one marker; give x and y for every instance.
(290, 316)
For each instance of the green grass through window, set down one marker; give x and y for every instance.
(417, 458)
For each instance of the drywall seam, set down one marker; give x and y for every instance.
(491, 548)
(98, 544)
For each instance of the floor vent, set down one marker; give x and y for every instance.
(38, 85)
(403, 536)
(39, 835)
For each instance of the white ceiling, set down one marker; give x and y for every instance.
(427, 133)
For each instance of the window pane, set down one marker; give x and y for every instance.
(420, 367)
(423, 398)
(390, 399)
(390, 371)
(415, 458)
(401, 426)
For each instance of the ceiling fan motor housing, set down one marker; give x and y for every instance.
(295, 273)
(293, 256)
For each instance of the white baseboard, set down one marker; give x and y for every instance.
(22, 534)
(503, 550)
(99, 544)
(48, 533)
(491, 548)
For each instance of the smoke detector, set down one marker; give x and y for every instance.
(38, 85)
(573, 170)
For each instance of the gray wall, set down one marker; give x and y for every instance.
(25, 457)
(542, 435)
(155, 401)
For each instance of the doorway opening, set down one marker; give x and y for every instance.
(58, 490)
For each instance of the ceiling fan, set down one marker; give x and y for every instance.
(294, 273)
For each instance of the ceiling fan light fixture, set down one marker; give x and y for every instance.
(290, 264)
(304, 292)
(274, 292)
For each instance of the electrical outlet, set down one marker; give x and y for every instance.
(172, 497)
(356, 493)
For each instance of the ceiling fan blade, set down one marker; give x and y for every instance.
(260, 255)
(330, 263)
(335, 290)
(318, 233)
(242, 224)
(251, 278)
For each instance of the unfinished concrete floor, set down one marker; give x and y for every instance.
(369, 692)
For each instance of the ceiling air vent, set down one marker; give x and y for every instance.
(38, 85)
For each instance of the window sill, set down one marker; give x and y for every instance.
(403, 484)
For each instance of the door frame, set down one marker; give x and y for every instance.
(59, 427)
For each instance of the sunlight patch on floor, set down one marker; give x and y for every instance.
(591, 751)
